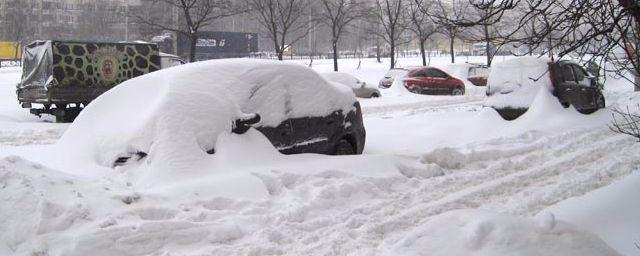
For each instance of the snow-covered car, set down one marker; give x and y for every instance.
(475, 73)
(360, 88)
(431, 80)
(512, 85)
(184, 109)
(478, 74)
(390, 76)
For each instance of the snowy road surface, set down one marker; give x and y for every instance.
(424, 156)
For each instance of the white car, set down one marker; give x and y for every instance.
(360, 88)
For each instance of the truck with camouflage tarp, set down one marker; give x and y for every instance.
(65, 76)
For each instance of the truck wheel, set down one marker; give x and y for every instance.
(66, 115)
(343, 147)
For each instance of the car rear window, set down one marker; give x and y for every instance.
(581, 76)
(567, 74)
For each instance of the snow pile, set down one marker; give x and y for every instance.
(515, 82)
(610, 212)
(476, 232)
(176, 115)
(397, 88)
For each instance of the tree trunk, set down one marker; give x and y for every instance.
(192, 48)
(423, 52)
(636, 82)
(451, 42)
(280, 53)
(378, 51)
(487, 45)
(335, 55)
(393, 54)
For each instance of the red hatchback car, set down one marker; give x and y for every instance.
(430, 80)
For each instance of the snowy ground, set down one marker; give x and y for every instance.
(425, 158)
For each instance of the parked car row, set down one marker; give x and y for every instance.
(511, 85)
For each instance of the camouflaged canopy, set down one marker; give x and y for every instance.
(74, 63)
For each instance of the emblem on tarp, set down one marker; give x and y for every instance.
(106, 60)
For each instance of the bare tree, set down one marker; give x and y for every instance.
(389, 14)
(195, 14)
(603, 31)
(626, 122)
(488, 15)
(337, 15)
(421, 24)
(447, 16)
(283, 20)
(19, 31)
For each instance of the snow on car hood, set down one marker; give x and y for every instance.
(179, 112)
(515, 82)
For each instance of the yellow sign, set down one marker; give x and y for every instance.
(10, 50)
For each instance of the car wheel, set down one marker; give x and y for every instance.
(457, 91)
(375, 95)
(414, 89)
(343, 147)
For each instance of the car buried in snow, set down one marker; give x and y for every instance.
(191, 105)
(360, 88)
(512, 85)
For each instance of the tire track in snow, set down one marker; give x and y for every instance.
(469, 102)
(534, 171)
(570, 168)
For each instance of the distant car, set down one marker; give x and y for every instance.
(360, 88)
(431, 80)
(170, 60)
(293, 106)
(478, 74)
(390, 76)
(513, 84)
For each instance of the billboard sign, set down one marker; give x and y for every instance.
(216, 45)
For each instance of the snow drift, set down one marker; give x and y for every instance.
(477, 232)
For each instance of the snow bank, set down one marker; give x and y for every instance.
(610, 212)
(476, 232)
(514, 82)
(176, 115)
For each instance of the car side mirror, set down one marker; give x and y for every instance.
(363, 84)
(242, 125)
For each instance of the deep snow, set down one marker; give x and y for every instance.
(426, 156)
